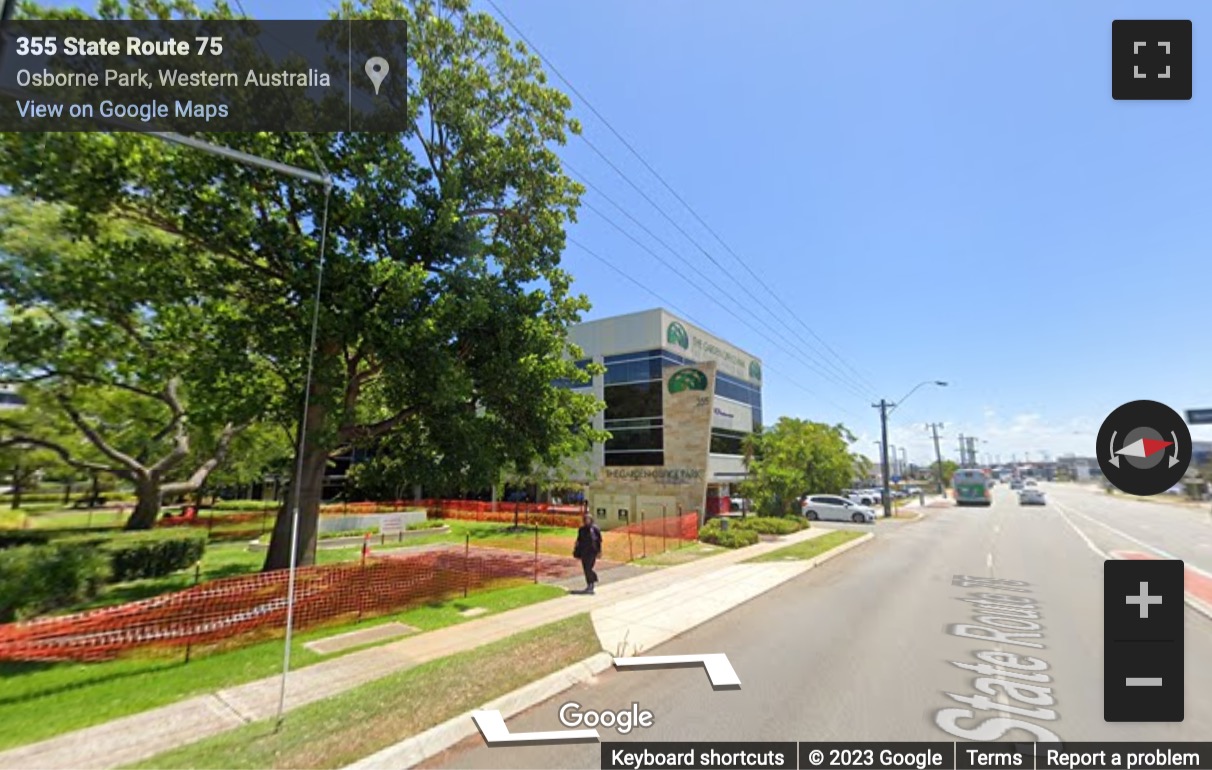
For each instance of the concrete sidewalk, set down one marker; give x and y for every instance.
(630, 616)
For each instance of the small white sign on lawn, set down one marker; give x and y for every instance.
(391, 525)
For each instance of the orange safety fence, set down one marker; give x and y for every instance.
(231, 607)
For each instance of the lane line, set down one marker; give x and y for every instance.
(1190, 600)
(1141, 543)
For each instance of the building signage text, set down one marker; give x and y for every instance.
(659, 475)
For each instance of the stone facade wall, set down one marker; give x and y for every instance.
(687, 394)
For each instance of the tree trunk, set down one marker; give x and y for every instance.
(147, 507)
(311, 487)
(17, 487)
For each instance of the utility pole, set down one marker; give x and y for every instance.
(887, 493)
(938, 454)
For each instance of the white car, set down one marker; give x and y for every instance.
(835, 508)
(861, 496)
(1031, 496)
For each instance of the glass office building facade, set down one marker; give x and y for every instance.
(636, 351)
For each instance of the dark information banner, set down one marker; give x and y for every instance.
(908, 756)
(212, 76)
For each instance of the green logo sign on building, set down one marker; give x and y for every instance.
(676, 335)
(687, 379)
(755, 370)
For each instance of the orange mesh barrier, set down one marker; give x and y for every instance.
(231, 607)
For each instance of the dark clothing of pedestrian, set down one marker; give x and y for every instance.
(588, 549)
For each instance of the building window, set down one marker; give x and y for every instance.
(641, 367)
(727, 442)
(640, 399)
(627, 439)
(635, 458)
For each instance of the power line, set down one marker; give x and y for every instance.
(724, 306)
(808, 363)
(840, 378)
(665, 302)
(589, 105)
(757, 300)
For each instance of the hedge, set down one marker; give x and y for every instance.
(246, 505)
(713, 532)
(37, 578)
(771, 525)
(49, 571)
(137, 555)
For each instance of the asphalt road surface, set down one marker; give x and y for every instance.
(863, 648)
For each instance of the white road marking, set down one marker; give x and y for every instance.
(1100, 552)
(1142, 543)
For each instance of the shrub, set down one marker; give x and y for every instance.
(246, 505)
(427, 525)
(713, 532)
(35, 579)
(349, 533)
(136, 555)
(771, 525)
(11, 538)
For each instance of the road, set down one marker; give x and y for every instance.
(862, 649)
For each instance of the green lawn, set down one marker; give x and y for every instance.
(809, 548)
(40, 700)
(339, 730)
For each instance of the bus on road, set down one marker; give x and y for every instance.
(971, 487)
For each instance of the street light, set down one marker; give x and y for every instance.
(885, 408)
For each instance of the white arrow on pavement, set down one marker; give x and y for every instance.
(492, 727)
(719, 670)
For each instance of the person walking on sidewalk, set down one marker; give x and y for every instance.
(588, 549)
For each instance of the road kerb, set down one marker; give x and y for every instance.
(423, 746)
(412, 751)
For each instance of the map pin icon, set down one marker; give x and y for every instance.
(376, 70)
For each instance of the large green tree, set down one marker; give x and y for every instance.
(794, 457)
(443, 292)
(125, 362)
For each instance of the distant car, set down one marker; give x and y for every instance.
(1030, 483)
(835, 508)
(1016, 483)
(914, 490)
(861, 496)
(1031, 496)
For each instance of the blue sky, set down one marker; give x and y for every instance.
(940, 190)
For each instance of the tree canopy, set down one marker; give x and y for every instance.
(794, 457)
(443, 301)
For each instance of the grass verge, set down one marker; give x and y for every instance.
(683, 555)
(809, 548)
(41, 700)
(342, 729)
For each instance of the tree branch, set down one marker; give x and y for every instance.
(180, 448)
(64, 454)
(374, 429)
(203, 471)
(96, 439)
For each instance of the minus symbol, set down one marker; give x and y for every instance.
(1143, 681)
